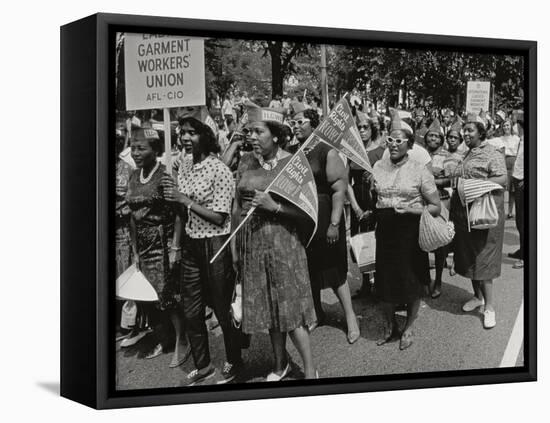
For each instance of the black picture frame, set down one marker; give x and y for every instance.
(87, 96)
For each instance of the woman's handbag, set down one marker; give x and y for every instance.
(435, 232)
(483, 212)
(237, 305)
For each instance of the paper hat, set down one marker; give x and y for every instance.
(373, 114)
(470, 189)
(132, 285)
(501, 114)
(361, 118)
(255, 113)
(472, 117)
(397, 123)
(199, 113)
(297, 107)
(143, 134)
(457, 125)
(435, 126)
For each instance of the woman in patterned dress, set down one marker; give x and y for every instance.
(478, 253)
(327, 253)
(403, 187)
(203, 198)
(434, 141)
(269, 253)
(151, 226)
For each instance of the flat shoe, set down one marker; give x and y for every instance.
(155, 353)
(178, 362)
(353, 337)
(391, 337)
(405, 341)
(436, 294)
(274, 377)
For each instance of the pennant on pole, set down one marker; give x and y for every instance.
(339, 131)
(296, 184)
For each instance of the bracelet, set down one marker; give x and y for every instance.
(279, 207)
(189, 206)
(175, 248)
(335, 224)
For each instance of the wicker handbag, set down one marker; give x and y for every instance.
(435, 232)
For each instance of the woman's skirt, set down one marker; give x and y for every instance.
(123, 249)
(274, 276)
(401, 266)
(477, 254)
(328, 264)
(152, 245)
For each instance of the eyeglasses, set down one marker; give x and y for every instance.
(363, 127)
(396, 141)
(300, 122)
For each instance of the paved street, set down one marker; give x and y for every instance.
(445, 337)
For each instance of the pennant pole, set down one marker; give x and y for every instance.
(167, 141)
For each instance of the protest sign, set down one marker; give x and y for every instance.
(340, 132)
(163, 71)
(296, 184)
(477, 96)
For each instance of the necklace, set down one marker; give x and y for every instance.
(270, 164)
(146, 180)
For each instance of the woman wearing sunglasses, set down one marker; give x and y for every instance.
(403, 188)
(268, 252)
(327, 253)
(359, 185)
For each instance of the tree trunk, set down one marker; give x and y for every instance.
(275, 50)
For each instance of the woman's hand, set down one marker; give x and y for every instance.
(173, 257)
(401, 209)
(332, 234)
(169, 189)
(365, 215)
(264, 201)
(358, 212)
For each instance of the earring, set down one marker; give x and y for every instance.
(275, 139)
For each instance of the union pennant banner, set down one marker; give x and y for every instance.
(339, 131)
(295, 183)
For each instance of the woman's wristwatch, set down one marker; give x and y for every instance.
(335, 224)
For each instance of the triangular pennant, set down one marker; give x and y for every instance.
(296, 184)
(339, 131)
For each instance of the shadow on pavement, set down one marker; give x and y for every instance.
(451, 300)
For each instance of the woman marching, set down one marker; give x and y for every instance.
(204, 195)
(358, 191)
(268, 252)
(403, 187)
(478, 253)
(151, 226)
(434, 141)
(327, 252)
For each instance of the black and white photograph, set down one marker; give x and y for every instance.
(289, 210)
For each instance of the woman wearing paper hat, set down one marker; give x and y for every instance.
(327, 253)
(151, 227)
(203, 197)
(478, 253)
(404, 187)
(358, 191)
(434, 144)
(268, 251)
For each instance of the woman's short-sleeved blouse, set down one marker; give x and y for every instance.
(210, 184)
(482, 162)
(402, 184)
